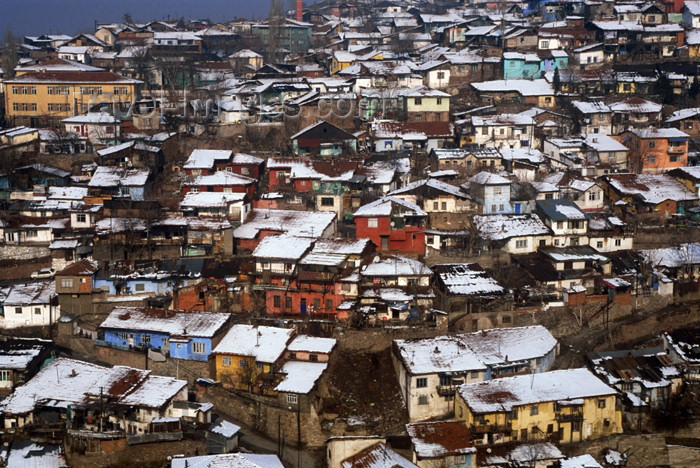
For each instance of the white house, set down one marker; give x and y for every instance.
(30, 305)
(430, 369)
(96, 126)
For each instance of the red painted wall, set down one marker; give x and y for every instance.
(410, 239)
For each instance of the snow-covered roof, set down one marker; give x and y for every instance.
(501, 227)
(297, 223)
(539, 87)
(434, 184)
(561, 210)
(377, 456)
(528, 453)
(224, 428)
(107, 176)
(504, 394)
(312, 344)
(19, 354)
(264, 344)
(67, 193)
(602, 142)
(237, 460)
(102, 118)
(300, 377)
(395, 266)
(531, 155)
(65, 382)
(210, 199)
(650, 188)
(172, 323)
(673, 257)
(658, 133)
(38, 292)
(636, 105)
(283, 247)
(474, 351)
(682, 114)
(502, 120)
(438, 439)
(581, 461)
(388, 206)
(221, 178)
(466, 279)
(488, 178)
(591, 107)
(205, 159)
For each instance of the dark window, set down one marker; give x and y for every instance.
(421, 382)
(327, 201)
(277, 302)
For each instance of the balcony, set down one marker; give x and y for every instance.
(569, 417)
(489, 428)
(446, 390)
(676, 149)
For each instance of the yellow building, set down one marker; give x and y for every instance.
(248, 356)
(49, 95)
(343, 59)
(566, 405)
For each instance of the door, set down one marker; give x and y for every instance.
(302, 306)
(385, 243)
(517, 208)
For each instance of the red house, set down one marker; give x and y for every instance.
(394, 225)
(242, 164)
(222, 181)
(205, 161)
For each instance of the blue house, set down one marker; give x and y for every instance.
(177, 334)
(157, 279)
(517, 65)
(491, 192)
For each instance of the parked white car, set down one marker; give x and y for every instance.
(44, 273)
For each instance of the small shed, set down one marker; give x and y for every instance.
(222, 437)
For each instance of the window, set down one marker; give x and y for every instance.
(327, 201)
(37, 310)
(313, 357)
(15, 90)
(651, 144)
(498, 190)
(66, 282)
(288, 302)
(418, 101)
(81, 218)
(534, 410)
(439, 101)
(18, 310)
(317, 304)
(549, 196)
(226, 362)
(441, 76)
(444, 206)
(506, 319)
(674, 158)
(651, 19)
(242, 363)
(601, 403)
(521, 244)
(198, 348)
(33, 106)
(140, 287)
(421, 382)
(15, 106)
(277, 301)
(24, 106)
(292, 398)
(550, 428)
(651, 160)
(329, 304)
(423, 400)
(544, 44)
(599, 244)
(593, 196)
(372, 223)
(618, 242)
(5, 375)
(435, 205)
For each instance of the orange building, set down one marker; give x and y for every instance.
(655, 150)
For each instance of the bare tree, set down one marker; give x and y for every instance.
(9, 58)
(275, 22)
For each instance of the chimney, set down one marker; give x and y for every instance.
(300, 13)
